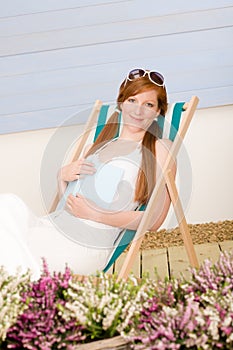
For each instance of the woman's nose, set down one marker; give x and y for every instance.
(138, 109)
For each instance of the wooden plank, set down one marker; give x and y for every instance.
(106, 344)
(80, 94)
(79, 146)
(53, 98)
(110, 271)
(204, 49)
(226, 246)
(91, 15)
(21, 7)
(155, 259)
(178, 262)
(208, 251)
(209, 97)
(48, 118)
(109, 32)
(178, 209)
(135, 268)
(188, 76)
(76, 77)
(70, 18)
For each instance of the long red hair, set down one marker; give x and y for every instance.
(147, 174)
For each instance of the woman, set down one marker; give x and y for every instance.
(115, 176)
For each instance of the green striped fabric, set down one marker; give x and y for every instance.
(101, 120)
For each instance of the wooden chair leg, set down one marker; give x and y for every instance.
(188, 243)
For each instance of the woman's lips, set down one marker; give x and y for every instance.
(137, 119)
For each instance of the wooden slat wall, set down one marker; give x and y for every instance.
(58, 57)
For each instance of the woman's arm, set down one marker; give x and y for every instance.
(73, 171)
(83, 208)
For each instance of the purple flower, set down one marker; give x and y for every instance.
(195, 314)
(41, 326)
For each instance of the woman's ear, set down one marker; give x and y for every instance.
(158, 113)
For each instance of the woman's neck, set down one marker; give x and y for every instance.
(136, 136)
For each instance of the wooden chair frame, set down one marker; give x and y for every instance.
(165, 178)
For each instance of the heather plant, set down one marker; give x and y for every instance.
(60, 311)
(11, 305)
(41, 325)
(196, 314)
(172, 326)
(212, 288)
(104, 306)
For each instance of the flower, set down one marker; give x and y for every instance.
(59, 310)
(195, 314)
(41, 325)
(11, 305)
(104, 306)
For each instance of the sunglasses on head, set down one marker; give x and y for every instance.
(154, 77)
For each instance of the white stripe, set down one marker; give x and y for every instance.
(111, 110)
(168, 121)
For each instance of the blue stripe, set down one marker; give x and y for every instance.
(176, 116)
(126, 239)
(160, 122)
(101, 120)
(122, 245)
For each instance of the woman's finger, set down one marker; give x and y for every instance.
(87, 168)
(70, 199)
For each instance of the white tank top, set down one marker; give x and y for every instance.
(112, 187)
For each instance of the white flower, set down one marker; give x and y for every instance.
(11, 305)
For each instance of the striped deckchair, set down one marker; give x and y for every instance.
(174, 127)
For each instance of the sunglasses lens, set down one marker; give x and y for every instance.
(157, 78)
(136, 73)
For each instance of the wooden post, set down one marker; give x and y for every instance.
(184, 229)
(81, 143)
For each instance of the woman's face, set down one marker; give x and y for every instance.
(139, 111)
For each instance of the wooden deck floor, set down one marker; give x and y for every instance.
(173, 261)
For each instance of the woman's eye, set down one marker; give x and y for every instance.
(131, 100)
(149, 105)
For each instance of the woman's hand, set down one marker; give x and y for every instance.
(81, 207)
(74, 170)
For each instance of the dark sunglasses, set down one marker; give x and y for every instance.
(154, 77)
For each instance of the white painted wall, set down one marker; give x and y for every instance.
(205, 162)
(209, 147)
